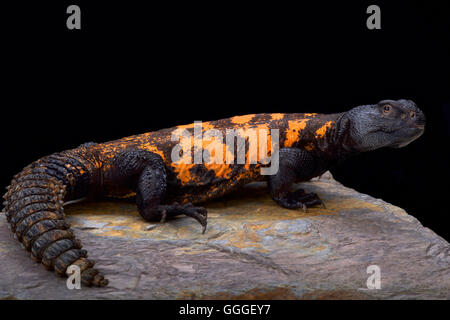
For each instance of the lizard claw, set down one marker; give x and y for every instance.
(163, 216)
(299, 199)
(305, 208)
(188, 209)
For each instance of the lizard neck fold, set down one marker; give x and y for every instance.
(341, 140)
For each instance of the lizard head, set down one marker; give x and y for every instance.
(389, 123)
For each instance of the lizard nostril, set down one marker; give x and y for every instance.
(420, 122)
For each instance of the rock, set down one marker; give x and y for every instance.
(253, 249)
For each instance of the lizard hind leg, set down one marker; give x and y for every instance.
(151, 187)
(150, 191)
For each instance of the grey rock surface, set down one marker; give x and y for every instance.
(252, 249)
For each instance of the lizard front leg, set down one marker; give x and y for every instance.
(295, 164)
(145, 172)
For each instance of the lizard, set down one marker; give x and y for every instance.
(141, 166)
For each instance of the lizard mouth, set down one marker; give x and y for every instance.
(418, 131)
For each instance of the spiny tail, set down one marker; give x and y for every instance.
(34, 210)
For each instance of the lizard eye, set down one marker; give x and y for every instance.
(386, 108)
(412, 114)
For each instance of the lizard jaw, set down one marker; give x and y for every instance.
(420, 130)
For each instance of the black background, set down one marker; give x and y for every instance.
(135, 68)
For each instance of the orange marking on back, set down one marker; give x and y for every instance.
(184, 175)
(151, 148)
(323, 129)
(220, 168)
(251, 134)
(207, 126)
(277, 116)
(182, 167)
(186, 126)
(242, 119)
(212, 145)
(268, 145)
(293, 131)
